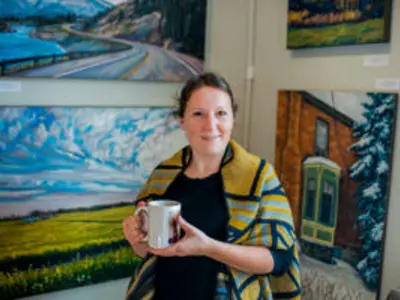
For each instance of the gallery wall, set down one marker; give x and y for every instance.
(228, 51)
(334, 68)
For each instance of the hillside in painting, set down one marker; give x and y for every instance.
(117, 39)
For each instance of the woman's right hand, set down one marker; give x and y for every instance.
(132, 228)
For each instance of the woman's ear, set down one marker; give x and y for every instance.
(181, 123)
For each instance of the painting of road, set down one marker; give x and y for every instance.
(152, 40)
(68, 178)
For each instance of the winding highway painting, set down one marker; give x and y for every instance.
(152, 40)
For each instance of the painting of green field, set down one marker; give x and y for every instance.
(320, 23)
(66, 250)
(69, 176)
(343, 34)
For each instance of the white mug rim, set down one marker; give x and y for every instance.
(164, 203)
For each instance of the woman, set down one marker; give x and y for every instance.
(239, 241)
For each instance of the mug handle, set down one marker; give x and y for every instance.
(137, 212)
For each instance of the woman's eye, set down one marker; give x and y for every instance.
(222, 113)
(197, 114)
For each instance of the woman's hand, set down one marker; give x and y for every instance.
(194, 243)
(249, 259)
(132, 228)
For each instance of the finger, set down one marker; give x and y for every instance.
(131, 227)
(137, 223)
(141, 204)
(128, 220)
(127, 225)
(135, 235)
(138, 237)
(140, 232)
(129, 233)
(168, 251)
(185, 225)
(142, 217)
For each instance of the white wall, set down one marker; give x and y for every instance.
(227, 50)
(70, 92)
(330, 68)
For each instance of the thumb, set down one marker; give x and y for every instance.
(185, 225)
(141, 203)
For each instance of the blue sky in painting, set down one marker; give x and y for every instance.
(49, 153)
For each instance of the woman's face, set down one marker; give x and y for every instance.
(208, 121)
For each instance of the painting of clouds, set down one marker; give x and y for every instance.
(152, 40)
(68, 177)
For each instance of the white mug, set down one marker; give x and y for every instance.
(162, 227)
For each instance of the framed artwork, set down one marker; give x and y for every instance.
(68, 177)
(333, 154)
(322, 23)
(154, 40)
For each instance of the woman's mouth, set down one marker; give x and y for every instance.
(210, 138)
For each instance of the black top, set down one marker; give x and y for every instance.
(203, 206)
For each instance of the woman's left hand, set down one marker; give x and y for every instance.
(194, 243)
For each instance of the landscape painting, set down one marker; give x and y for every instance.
(333, 154)
(323, 23)
(68, 178)
(151, 40)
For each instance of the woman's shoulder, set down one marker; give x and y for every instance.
(245, 172)
(247, 161)
(174, 160)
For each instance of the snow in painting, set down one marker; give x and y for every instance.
(371, 170)
(373, 127)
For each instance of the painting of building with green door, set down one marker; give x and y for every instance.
(320, 206)
(322, 23)
(333, 156)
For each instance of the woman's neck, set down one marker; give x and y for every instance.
(201, 167)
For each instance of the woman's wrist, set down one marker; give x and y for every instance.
(248, 259)
(212, 247)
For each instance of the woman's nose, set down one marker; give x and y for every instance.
(210, 121)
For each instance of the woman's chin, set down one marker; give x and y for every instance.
(213, 150)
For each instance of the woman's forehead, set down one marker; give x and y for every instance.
(209, 97)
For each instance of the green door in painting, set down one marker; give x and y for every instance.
(320, 200)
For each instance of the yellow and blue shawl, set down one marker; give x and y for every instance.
(259, 215)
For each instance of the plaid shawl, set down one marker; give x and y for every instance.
(259, 215)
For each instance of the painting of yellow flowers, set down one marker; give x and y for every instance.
(324, 23)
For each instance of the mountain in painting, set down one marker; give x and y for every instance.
(173, 25)
(52, 8)
(125, 21)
